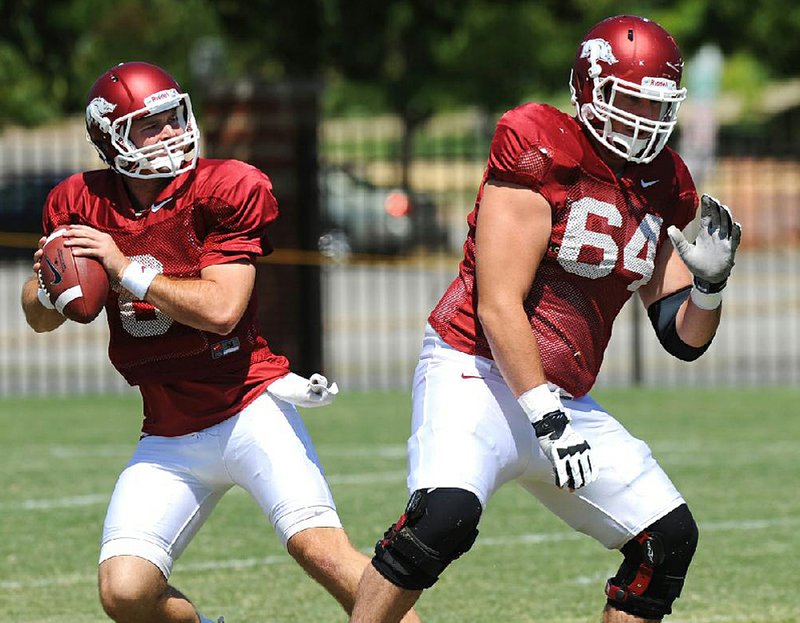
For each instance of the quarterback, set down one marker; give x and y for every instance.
(178, 236)
(572, 217)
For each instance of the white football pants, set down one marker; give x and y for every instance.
(468, 431)
(171, 484)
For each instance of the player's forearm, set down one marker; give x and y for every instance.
(513, 346)
(38, 317)
(198, 303)
(696, 326)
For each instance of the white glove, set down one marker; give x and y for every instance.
(303, 392)
(565, 447)
(710, 258)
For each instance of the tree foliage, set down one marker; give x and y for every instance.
(412, 57)
(52, 51)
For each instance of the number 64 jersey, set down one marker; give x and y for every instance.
(606, 231)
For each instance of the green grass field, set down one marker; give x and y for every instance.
(733, 454)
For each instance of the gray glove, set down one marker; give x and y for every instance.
(303, 392)
(710, 258)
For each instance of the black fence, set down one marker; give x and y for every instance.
(390, 241)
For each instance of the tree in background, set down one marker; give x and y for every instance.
(51, 52)
(35, 48)
(410, 57)
(414, 57)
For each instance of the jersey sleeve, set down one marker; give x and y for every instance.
(63, 204)
(686, 209)
(687, 199)
(237, 223)
(516, 154)
(53, 216)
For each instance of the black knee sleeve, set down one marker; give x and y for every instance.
(437, 527)
(656, 561)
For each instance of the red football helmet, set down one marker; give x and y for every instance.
(637, 58)
(130, 91)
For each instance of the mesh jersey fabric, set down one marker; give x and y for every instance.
(606, 230)
(215, 214)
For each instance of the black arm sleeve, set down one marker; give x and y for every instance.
(662, 315)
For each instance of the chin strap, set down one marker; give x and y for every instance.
(624, 142)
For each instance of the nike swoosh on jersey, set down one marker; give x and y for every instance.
(471, 376)
(155, 207)
(56, 274)
(648, 183)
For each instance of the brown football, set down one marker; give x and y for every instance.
(77, 286)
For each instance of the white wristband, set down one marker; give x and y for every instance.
(539, 401)
(705, 301)
(136, 279)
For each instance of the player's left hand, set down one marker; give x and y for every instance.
(710, 258)
(564, 447)
(89, 242)
(567, 450)
(303, 392)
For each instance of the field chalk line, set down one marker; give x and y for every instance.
(498, 541)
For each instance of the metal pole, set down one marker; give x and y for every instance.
(637, 364)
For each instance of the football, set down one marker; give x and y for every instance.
(77, 286)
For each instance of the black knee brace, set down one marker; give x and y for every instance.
(437, 527)
(656, 561)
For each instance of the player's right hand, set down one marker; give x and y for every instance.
(303, 392)
(37, 256)
(567, 450)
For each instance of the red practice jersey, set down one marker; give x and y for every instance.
(606, 231)
(218, 213)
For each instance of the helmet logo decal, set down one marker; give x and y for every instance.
(97, 110)
(156, 102)
(659, 83)
(597, 50)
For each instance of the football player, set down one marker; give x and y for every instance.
(178, 236)
(572, 217)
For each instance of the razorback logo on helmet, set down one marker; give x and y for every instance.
(598, 50)
(97, 110)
